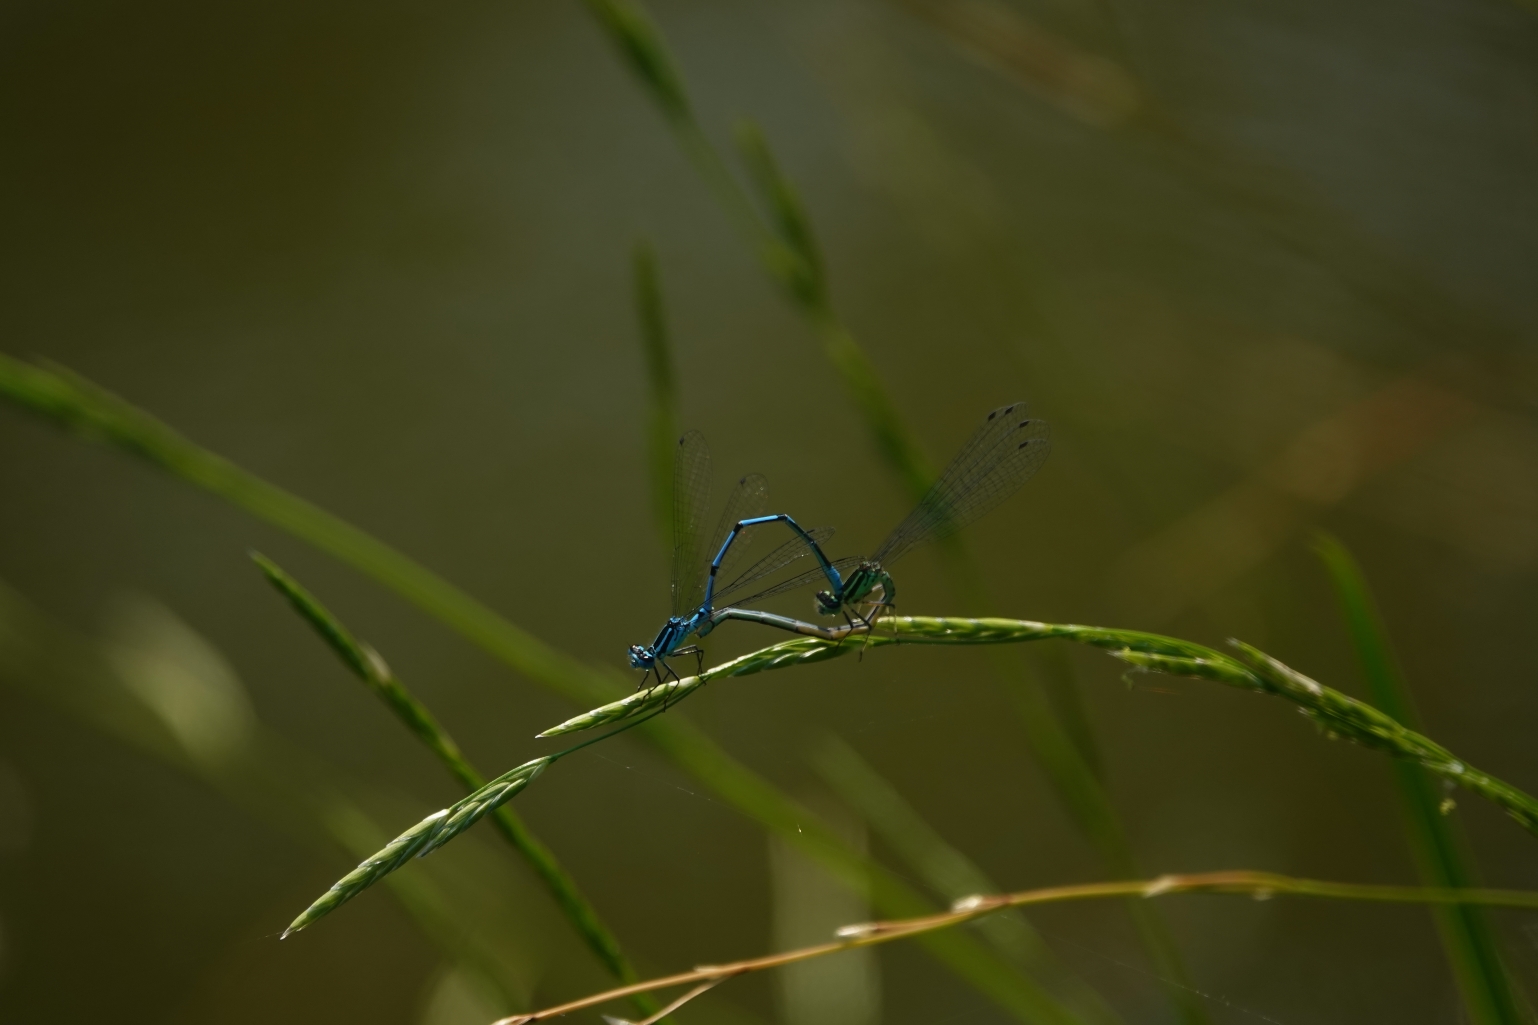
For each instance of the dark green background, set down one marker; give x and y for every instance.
(379, 254)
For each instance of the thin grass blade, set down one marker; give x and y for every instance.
(293, 792)
(94, 414)
(755, 797)
(787, 252)
(782, 245)
(950, 873)
(803, 275)
(640, 44)
(369, 667)
(662, 390)
(89, 411)
(1440, 849)
(752, 795)
(691, 503)
(1065, 763)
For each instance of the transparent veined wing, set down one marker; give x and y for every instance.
(748, 499)
(1004, 453)
(843, 566)
(691, 502)
(788, 552)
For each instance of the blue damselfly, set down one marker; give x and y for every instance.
(698, 566)
(999, 458)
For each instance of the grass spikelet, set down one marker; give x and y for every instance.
(472, 809)
(88, 410)
(665, 695)
(1220, 669)
(370, 667)
(1339, 714)
(797, 263)
(640, 44)
(372, 869)
(422, 839)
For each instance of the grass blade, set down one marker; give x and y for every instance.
(640, 44)
(751, 794)
(283, 787)
(889, 894)
(1441, 852)
(1088, 803)
(83, 408)
(783, 245)
(1060, 685)
(369, 667)
(662, 418)
(949, 872)
(796, 263)
(786, 249)
(802, 277)
(96, 415)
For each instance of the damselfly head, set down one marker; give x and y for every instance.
(641, 657)
(827, 603)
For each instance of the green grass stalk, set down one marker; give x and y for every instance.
(949, 872)
(783, 243)
(1256, 885)
(438, 829)
(1065, 760)
(90, 412)
(94, 414)
(284, 787)
(786, 247)
(972, 961)
(369, 667)
(662, 388)
(1338, 715)
(1439, 848)
(889, 894)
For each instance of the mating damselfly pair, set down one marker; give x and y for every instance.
(1001, 456)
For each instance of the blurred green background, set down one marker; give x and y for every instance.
(1264, 266)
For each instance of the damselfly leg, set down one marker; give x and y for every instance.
(699, 668)
(699, 659)
(869, 620)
